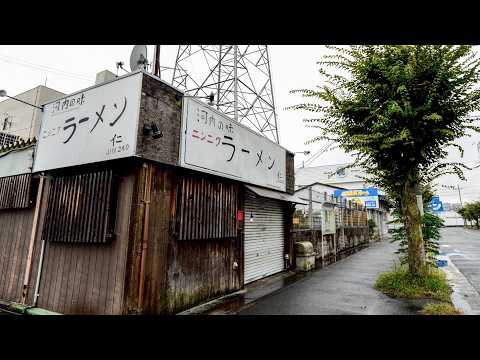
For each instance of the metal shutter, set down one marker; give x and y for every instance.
(264, 237)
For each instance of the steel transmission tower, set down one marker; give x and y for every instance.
(238, 75)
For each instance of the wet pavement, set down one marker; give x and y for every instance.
(346, 287)
(461, 247)
(343, 288)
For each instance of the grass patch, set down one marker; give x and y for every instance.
(440, 309)
(399, 283)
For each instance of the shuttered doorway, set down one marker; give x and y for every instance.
(264, 237)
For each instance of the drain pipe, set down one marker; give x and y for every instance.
(39, 273)
(33, 235)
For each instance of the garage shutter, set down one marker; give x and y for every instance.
(264, 237)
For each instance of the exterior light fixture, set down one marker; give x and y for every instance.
(211, 98)
(306, 152)
(153, 130)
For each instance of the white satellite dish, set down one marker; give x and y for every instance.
(138, 58)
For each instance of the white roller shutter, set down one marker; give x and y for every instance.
(264, 237)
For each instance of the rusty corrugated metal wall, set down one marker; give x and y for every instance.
(15, 191)
(80, 208)
(206, 209)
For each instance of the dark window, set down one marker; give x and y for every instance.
(15, 191)
(81, 208)
(206, 209)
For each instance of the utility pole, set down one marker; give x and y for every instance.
(156, 61)
(459, 195)
(461, 204)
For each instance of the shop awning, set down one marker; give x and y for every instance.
(272, 194)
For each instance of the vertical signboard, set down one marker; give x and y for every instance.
(435, 204)
(97, 124)
(328, 221)
(215, 144)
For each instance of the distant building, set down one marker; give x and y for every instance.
(334, 175)
(335, 179)
(20, 121)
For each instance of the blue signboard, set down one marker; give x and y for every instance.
(356, 192)
(435, 204)
(367, 197)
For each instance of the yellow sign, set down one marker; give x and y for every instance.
(296, 220)
(355, 193)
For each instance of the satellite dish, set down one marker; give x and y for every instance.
(138, 58)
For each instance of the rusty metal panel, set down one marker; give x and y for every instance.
(80, 208)
(206, 208)
(15, 191)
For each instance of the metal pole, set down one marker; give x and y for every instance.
(219, 77)
(33, 234)
(235, 83)
(273, 99)
(334, 237)
(322, 228)
(461, 204)
(310, 208)
(39, 273)
(156, 61)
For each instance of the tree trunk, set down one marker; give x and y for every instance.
(413, 229)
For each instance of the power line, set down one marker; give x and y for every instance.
(12, 60)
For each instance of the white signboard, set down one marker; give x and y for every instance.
(328, 221)
(97, 124)
(215, 144)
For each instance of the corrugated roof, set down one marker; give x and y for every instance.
(275, 194)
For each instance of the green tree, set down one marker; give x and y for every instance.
(397, 108)
(471, 212)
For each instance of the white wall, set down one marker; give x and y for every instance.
(25, 119)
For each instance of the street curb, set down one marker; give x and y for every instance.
(24, 309)
(203, 308)
(461, 289)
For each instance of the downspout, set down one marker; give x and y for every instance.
(33, 235)
(144, 244)
(39, 273)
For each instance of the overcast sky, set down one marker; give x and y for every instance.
(68, 68)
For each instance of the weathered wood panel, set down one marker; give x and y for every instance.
(180, 273)
(88, 278)
(15, 233)
(160, 105)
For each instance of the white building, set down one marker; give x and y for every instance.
(328, 178)
(335, 175)
(21, 121)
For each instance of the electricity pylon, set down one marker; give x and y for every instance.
(238, 75)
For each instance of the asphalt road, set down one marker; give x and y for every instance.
(343, 288)
(462, 246)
